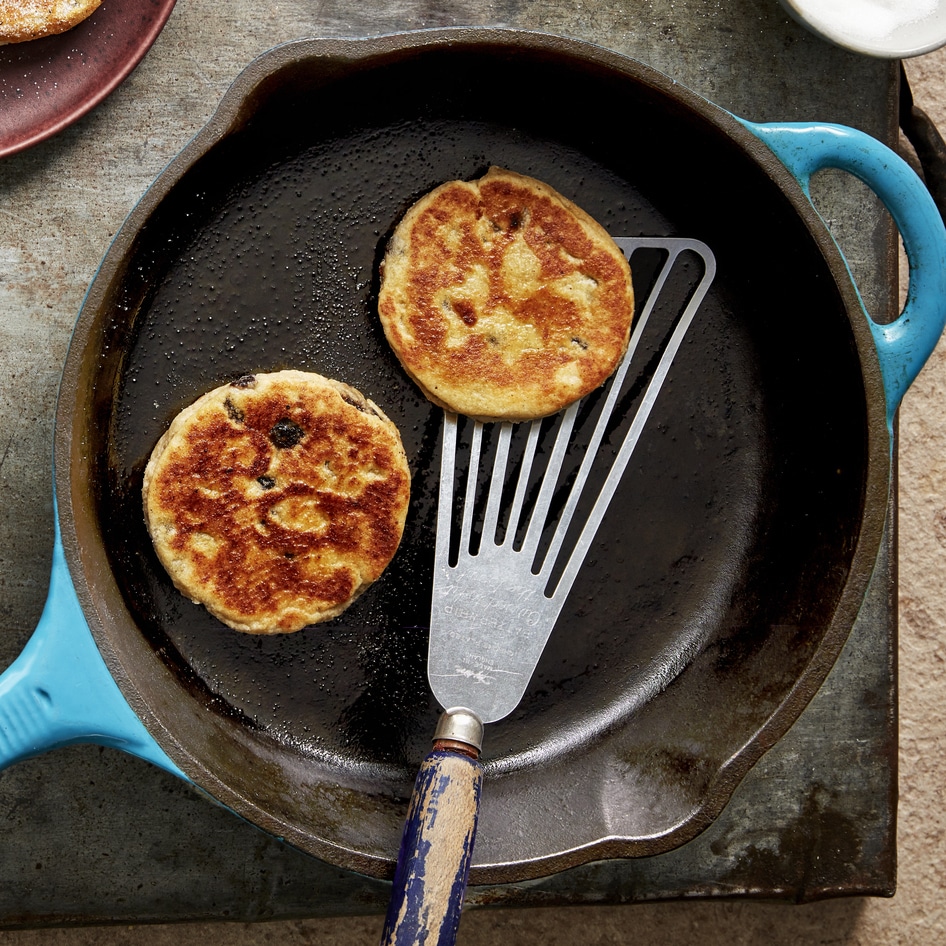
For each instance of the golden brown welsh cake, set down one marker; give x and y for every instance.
(22, 20)
(502, 299)
(276, 500)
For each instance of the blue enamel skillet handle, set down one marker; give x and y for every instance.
(903, 345)
(433, 864)
(59, 691)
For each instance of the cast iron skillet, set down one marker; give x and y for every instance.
(723, 584)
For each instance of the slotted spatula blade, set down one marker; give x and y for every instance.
(495, 602)
(501, 577)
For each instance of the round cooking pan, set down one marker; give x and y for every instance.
(739, 545)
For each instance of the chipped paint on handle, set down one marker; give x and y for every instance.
(436, 850)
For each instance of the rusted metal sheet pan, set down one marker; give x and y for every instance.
(816, 816)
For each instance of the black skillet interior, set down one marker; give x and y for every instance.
(720, 572)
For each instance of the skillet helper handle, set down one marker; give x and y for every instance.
(903, 345)
(436, 848)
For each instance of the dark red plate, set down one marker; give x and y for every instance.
(47, 84)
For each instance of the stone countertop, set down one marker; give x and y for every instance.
(171, 855)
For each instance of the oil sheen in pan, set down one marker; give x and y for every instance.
(255, 264)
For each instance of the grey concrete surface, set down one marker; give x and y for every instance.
(915, 915)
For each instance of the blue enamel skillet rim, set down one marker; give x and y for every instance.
(73, 684)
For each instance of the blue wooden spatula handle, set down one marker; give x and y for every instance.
(436, 849)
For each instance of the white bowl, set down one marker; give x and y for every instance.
(889, 29)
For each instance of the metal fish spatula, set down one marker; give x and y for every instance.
(502, 574)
